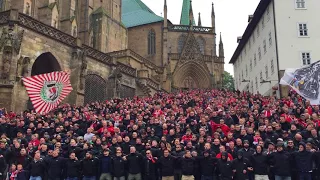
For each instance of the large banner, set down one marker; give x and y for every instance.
(46, 91)
(305, 81)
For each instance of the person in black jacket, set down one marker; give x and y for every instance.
(90, 167)
(188, 165)
(207, 165)
(54, 166)
(105, 166)
(150, 166)
(259, 164)
(21, 173)
(37, 168)
(3, 166)
(134, 162)
(281, 160)
(72, 168)
(167, 165)
(304, 162)
(241, 167)
(118, 165)
(225, 169)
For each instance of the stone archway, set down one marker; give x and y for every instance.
(95, 88)
(45, 63)
(191, 75)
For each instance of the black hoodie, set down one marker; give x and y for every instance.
(303, 159)
(224, 167)
(240, 164)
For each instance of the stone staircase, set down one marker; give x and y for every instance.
(145, 89)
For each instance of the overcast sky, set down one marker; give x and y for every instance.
(231, 18)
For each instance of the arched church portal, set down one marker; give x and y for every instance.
(45, 63)
(191, 75)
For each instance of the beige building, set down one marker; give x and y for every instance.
(112, 48)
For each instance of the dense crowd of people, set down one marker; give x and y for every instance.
(196, 134)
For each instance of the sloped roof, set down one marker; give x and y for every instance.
(185, 18)
(136, 13)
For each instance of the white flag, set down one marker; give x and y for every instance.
(305, 81)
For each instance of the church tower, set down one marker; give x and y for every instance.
(213, 25)
(186, 13)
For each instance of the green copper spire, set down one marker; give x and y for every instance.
(185, 13)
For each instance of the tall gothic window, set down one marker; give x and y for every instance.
(28, 8)
(181, 42)
(201, 44)
(151, 42)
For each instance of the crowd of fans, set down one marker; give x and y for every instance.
(196, 134)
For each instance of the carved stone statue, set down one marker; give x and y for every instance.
(25, 66)
(6, 58)
(83, 70)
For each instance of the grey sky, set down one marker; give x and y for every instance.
(231, 18)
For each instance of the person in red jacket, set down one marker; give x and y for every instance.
(225, 129)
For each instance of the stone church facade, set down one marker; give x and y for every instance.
(111, 48)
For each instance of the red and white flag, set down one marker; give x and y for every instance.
(46, 91)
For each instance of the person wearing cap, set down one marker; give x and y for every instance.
(281, 162)
(90, 167)
(304, 162)
(207, 165)
(247, 150)
(241, 167)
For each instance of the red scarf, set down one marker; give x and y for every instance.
(152, 160)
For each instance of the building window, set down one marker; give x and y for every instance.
(268, 13)
(151, 42)
(253, 37)
(258, 30)
(272, 66)
(251, 86)
(270, 39)
(303, 30)
(255, 59)
(259, 53)
(266, 71)
(262, 22)
(261, 76)
(257, 84)
(201, 44)
(246, 71)
(181, 42)
(301, 4)
(28, 8)
(250, 65)
(306, 58)
(264, 46)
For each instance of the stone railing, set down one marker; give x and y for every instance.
(97, 55)
(127, 69)
(153, 84)
(206, 58)
(4, 17)
(46, 30)
(183, 28)
(130, 53)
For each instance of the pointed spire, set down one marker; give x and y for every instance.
(165, 11)
(212, 11)
(199, 20)
(221, 49)
(191, 14)
(185, 13)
